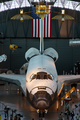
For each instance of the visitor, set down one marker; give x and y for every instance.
(72, 115)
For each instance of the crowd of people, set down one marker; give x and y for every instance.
(12, 118)
(70, 115)
(16, 117)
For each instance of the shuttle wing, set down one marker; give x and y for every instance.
(19, 80)
(67, 80)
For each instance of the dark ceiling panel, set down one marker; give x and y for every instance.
(4, 1)
(75, 0)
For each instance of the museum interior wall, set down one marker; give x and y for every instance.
(15, 32)
(68, 55)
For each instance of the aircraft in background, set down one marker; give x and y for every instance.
(14, 47)
(3, 58)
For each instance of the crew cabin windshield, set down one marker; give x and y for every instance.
(41, 75)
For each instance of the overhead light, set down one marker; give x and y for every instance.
(63, 12)
(21, 11)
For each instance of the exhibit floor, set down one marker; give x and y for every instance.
(15, 101)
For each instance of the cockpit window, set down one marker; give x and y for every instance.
(52, 76)
(38, 76)
(49, 77)
(34, 77)
(42, 75)
(31, 76)
(45, 76)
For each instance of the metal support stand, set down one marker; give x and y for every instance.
(41, 38)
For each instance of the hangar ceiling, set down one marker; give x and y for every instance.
(7, 5)
(11, 28)
(66, 0)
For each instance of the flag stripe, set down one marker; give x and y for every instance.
(50, 21)
(47, 24)
(44, 27)
(39, 27)
(32, 27)
(36, 25)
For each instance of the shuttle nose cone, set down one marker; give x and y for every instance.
(42, 104)
(42, 100)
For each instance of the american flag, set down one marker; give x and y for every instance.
(36, 24)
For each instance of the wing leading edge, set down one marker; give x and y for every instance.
(19, 80)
